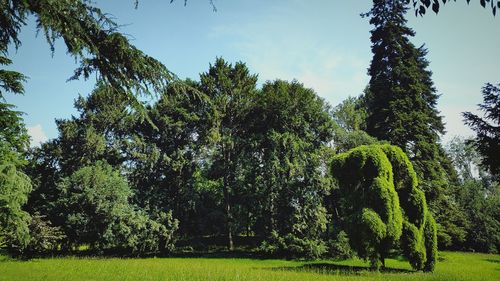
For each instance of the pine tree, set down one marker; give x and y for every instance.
(401, 104)
(401, 100)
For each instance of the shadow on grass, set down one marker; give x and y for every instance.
(221, 254)
(336, 269)
(492, 260)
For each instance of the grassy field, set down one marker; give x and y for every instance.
(453, 266)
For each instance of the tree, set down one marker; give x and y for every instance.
(350, 114)
(487, 141)
(91, 37)
(350, 125)
(14, 184)
(230, 89)
(477, 194)
(421, 6)
(370, 204)
(14, 221)
(166, 159)
(289, 127)
(98, 213)
(381, 203)
(401, 104)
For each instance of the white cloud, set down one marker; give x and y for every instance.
(37, 135)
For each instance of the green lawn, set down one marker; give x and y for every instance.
(453, 266)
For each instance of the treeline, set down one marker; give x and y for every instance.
(267, 169)
(218, 157)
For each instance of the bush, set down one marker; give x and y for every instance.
(339, 247)
(292, 247)
(44, 238)
(101, 216)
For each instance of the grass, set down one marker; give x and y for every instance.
(453, 266)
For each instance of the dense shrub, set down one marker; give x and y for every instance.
(339, 248)
(44, 238)
(291, 246)
(100, 215)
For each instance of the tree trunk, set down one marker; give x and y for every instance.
(225, 187)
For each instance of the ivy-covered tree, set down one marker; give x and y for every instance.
(381, 203)
(370, 204)
(419, 236)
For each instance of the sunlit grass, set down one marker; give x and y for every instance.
(454, 266)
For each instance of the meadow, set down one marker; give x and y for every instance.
(452, 266)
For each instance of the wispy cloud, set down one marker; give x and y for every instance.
(37, 135)
(277, 48)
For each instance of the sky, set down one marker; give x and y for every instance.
(324, 44)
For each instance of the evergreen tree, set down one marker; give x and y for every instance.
(401, 104)
(14, 184)
(401, 100)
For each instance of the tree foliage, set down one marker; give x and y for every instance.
(289, 128)
(14, 221)
(373, 218)
(487, 141)
(99, 214)
(230, 89)
(477, 194)
(381, 204)
(90, 36)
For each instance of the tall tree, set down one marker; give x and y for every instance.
(401, 104)
(14, 184)
(289, 126)
(230, 88)
(401, 100)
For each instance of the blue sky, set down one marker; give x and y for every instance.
(322, 43)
